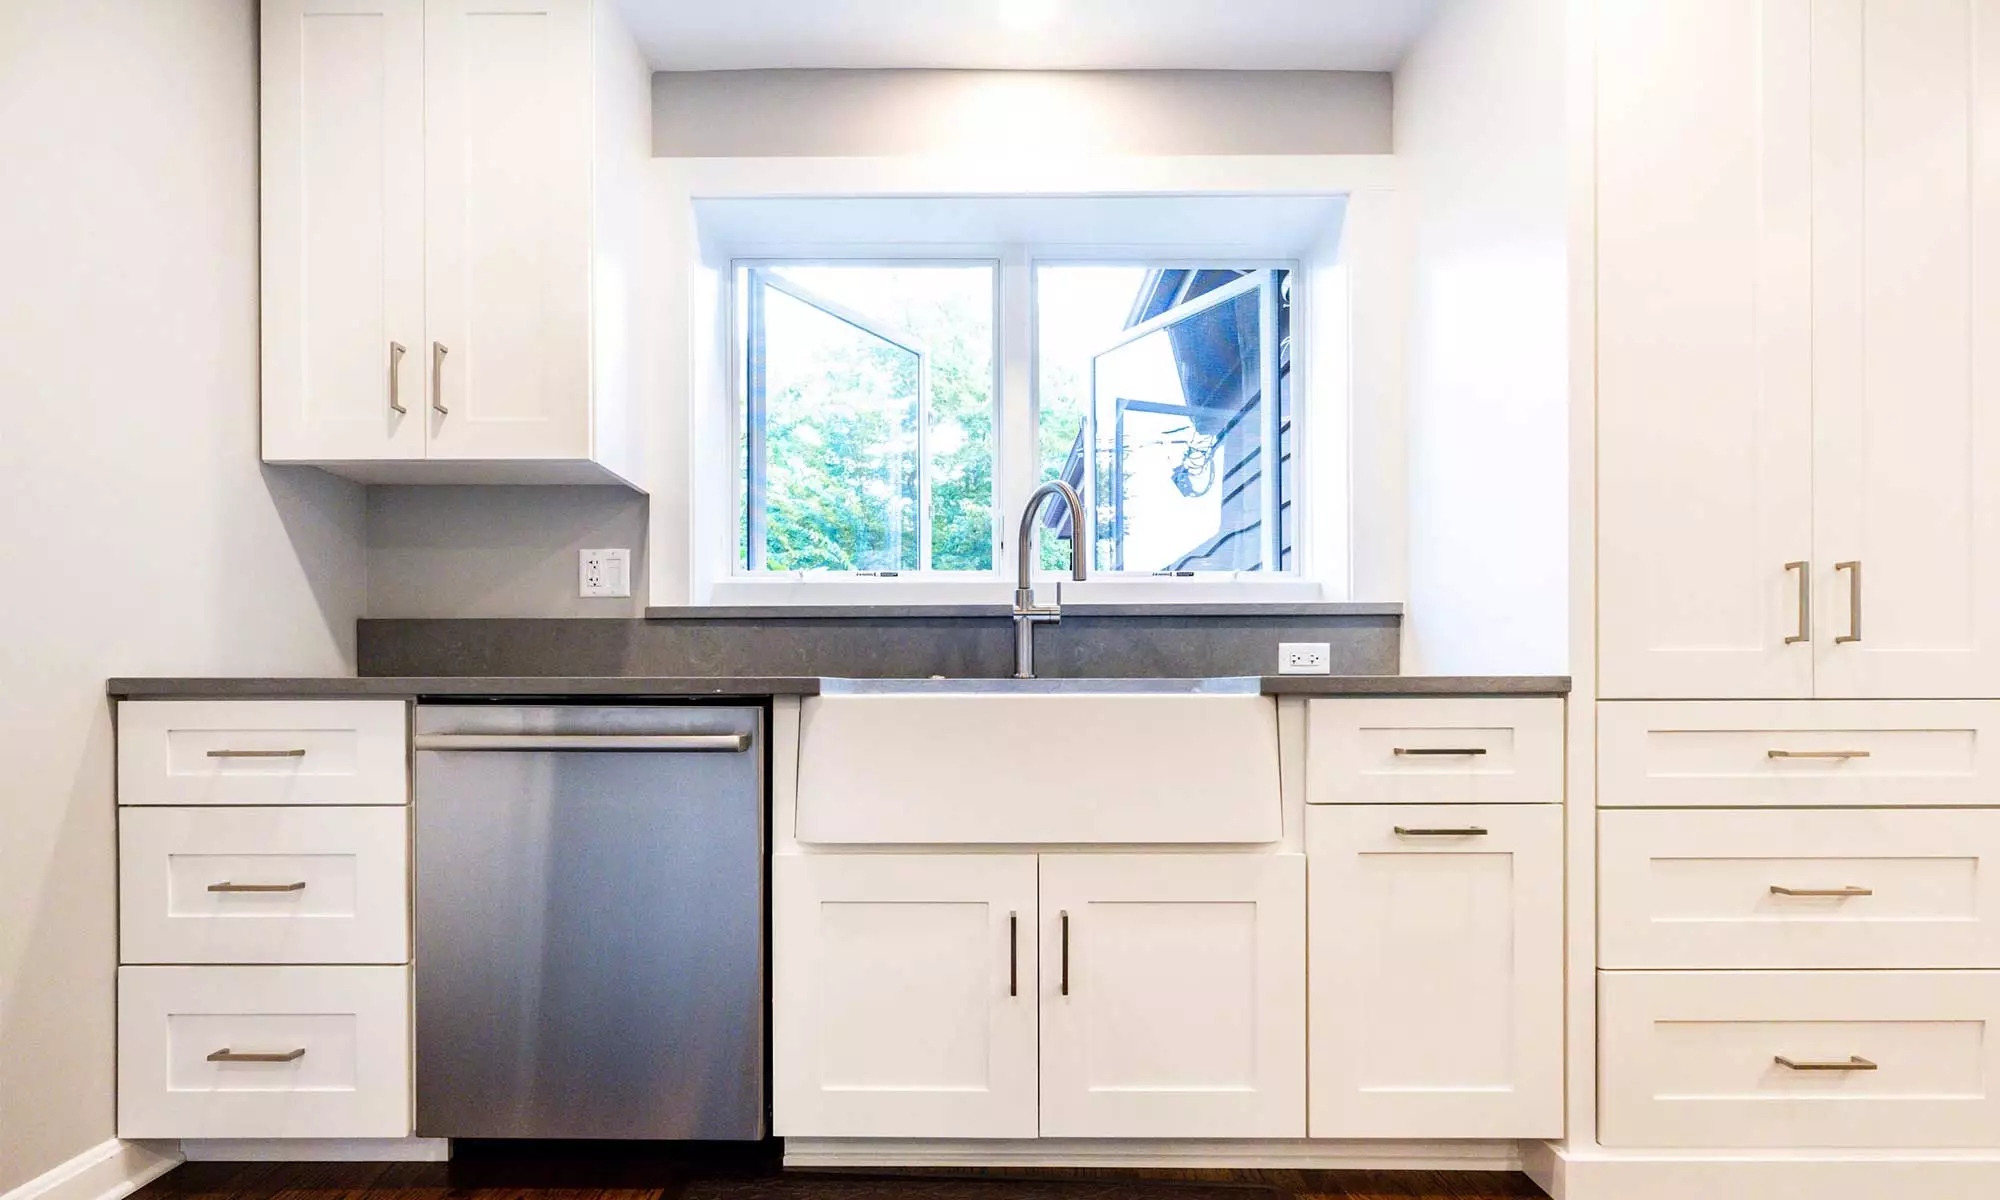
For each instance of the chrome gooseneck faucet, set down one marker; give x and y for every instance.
(1028, 614)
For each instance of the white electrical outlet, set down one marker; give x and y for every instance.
(1303, 658)
(604, 572)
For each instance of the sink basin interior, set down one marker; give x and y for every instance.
(1234, 685)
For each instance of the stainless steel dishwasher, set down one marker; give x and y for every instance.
(590, 922)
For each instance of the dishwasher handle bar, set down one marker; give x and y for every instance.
(711, 743)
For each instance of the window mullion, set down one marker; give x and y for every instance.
(754, 407)
(1016, 403)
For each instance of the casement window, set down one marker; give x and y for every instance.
(870, 408)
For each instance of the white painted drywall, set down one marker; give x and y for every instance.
(140, 534)
(698, 114)
(498, 551)
(1480, 131)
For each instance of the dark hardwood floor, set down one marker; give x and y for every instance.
(571, 1172)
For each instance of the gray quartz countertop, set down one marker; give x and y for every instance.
(392, 686)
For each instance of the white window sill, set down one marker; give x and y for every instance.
(993, 590)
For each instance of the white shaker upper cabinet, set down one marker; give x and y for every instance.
(508, 116)
(342, 93)
(454, 228)
(1906, 297)
(1704, 348)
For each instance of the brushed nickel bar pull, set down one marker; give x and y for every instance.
(296, 753)
(1839, 892)
(227, 1055)
(1013, 954)
(1065, 952)
(438, 351)
(226, 886)
(1437, 751)
(1853, 633)
(396, 352)
(1804, 569)
(1468, 831)
(1818, 753)
(1853, 1063)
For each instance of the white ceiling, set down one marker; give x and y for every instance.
(1323, 35)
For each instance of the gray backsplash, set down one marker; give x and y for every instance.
(1363, 639)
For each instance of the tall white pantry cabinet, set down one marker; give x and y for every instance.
(1798, 349)
(452, 238)
(1797, 542)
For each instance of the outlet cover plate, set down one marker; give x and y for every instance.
(604, 572)
(1304, 658)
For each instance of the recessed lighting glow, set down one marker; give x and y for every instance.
(1027, 15)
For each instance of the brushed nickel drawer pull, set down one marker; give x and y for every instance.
(300, 753)
(396, 352)
(1853, 633)
(438, 351)
(1804, 633)
(1854, 1063)
(1013, 954)
(1841, 892)
(1437, 751)
(227, 1055)
(1818, 753)
(1468, 831)
(1065, 952)
(226, 886)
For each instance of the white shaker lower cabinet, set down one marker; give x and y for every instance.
(903, 995)
(1437, 973)
(1173, 997)
(263, 1052)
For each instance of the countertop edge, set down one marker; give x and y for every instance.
(394, 686)
(747, 686)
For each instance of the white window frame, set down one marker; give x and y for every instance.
(1015, 329)
(1350, 307)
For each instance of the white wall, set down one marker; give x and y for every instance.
(1480, 129)
(138, 533)
(699, 114)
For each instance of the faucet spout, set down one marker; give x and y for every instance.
(1028, 614)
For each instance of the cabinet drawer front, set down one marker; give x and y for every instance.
(1877, 1059)
(1403, 927)
(1807, 888)
(199, 752)
(1798, 753)
(264, 885)
(1434, 751)
(253, 1052)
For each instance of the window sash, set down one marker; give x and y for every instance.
(754, 412)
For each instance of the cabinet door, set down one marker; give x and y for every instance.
(342, 93)
(508, 163)
(1704, 249)
(903, 995)
(1173, 995)
(1437, 971)
(1906, 144)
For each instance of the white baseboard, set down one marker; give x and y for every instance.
(410, 1149)
(1598, 1174)
(107, 1171)
(1094, 1152)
